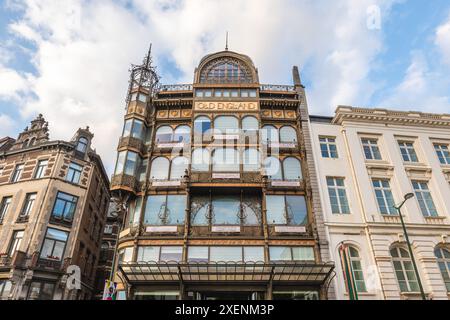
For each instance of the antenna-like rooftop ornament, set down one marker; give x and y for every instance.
(226, 42)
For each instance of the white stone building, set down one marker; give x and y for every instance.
(367, 160)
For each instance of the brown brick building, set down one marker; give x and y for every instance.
(54, 197)
(219, 184)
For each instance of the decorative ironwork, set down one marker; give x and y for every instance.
(175, 87)
(276, 87)
(226, 70)
(144, 76)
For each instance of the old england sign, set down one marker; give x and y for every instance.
(226, 106)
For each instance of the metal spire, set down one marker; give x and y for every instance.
(226, 42)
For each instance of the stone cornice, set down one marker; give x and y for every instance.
(411, 118)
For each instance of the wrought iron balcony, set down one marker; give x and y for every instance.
(175, 87)
(286, 184)
(132, 142)
(277, 87)
(123, 181)
(232, 177)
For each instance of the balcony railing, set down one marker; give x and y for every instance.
(132, 142)
(123, 180)
(176, 87)
(277, 87)
(241, 177)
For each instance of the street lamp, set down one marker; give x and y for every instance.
(398, 207)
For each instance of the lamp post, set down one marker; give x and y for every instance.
(398, 207)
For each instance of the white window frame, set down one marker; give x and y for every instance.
(408, 148)
(327, 142)
(371, 144)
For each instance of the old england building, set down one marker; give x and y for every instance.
(366, 161)
(219, 184)
(53, 201)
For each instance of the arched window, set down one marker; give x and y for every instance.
(225, 71)
(355, 262)
(25, 143)
(269, 134)
(164, 134)
(404, 270)
(177, 170)
(200, 159)
(182, 134)
(226, 124)
(225, 159)
(201, 125)
(251, 160)
(82, 144)
(288, 134)
(32, 141)
(272, 168)
(250, 123)
(443, 260)
(292, 169)
(160, 169)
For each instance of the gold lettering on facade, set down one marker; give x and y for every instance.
(226, 106)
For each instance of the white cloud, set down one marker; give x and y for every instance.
(11, 83)
(84, 48)
(7, 125)
(442, 40)
(421, 89)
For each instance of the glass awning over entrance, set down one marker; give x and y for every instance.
(199, 272)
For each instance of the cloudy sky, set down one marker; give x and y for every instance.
(69, 59)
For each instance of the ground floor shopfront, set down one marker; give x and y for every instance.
(227, 281)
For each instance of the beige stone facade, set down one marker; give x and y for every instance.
(54, 199)
(379, 156)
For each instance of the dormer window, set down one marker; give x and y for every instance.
(82, 144)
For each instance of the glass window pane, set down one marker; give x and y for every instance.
(225, 254)
(251, 159)
(148, 253)
(160, 169)
(225, 159)
(251, 206)
(155, 210)
(272, 168)
(280, 253)
(250, 123)
(292, 169)
(182, 134)
(198, 254)
(171, 253)
(254, 254)
(164, 134)
(176, 209)
(200, 160)
(226, 210)
(269, 134)
(297, 210)
(226, 124)
(200, 210)
(288, 134)
(303, 253)
(179, 166)
(202, 125)
(275, 209)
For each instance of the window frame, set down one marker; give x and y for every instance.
(63, 216)
(54, 244)
(401, 260)
(75, 172)
(391, 210)
(14, 243)
(407, 151)
(419, 195)
(27, 208)
(442, 259)
(40, 169)
(5, 204)
(328, 153)
(17, 172)
(443, 154)
(336, 188)
(371, 145)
